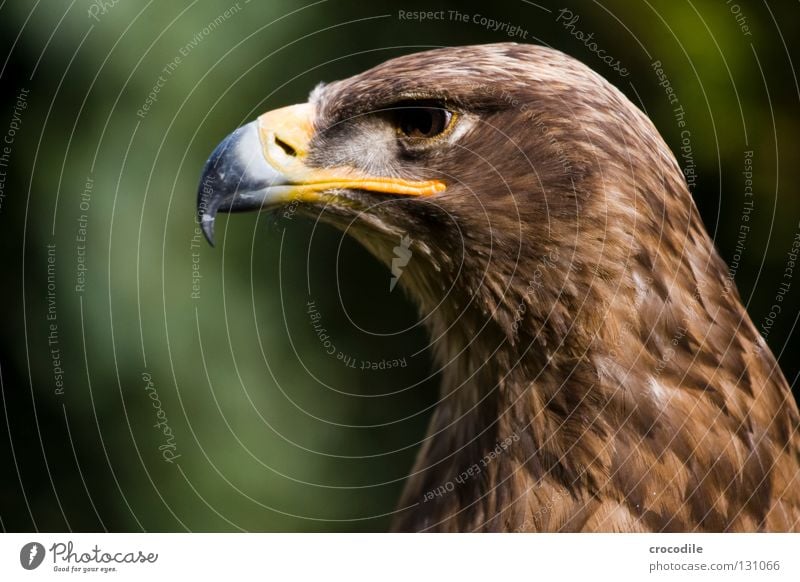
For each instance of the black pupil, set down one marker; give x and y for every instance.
(422, 121)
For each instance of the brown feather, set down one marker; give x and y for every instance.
(577, 305)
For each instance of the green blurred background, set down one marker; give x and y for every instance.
(269, 432)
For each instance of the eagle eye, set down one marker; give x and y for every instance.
(422, 121)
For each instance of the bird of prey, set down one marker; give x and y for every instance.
(599, 372)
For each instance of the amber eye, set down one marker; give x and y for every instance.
(422, 122)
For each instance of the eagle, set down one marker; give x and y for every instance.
(598, 370)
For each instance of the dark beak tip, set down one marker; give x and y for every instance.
(208, 230)
(208, 199)
(228, 182)
(206, 214)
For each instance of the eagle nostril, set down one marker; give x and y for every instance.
(286, 147)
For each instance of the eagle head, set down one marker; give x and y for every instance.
(576, 304)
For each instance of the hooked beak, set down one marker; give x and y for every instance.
(262, 165)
